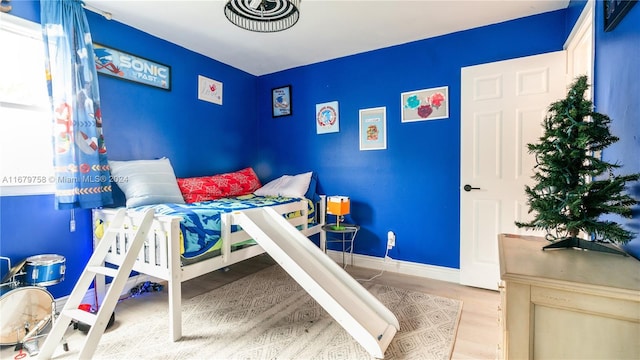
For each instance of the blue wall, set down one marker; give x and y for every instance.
(413, 187)
(617, 85)
(140, 122)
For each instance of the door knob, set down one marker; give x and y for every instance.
(469, 188)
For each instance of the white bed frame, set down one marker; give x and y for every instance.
(160, 256)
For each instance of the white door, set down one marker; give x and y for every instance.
(503, 106)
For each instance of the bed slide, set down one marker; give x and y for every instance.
(361, 314)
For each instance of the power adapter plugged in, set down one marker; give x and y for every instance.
(391, 240)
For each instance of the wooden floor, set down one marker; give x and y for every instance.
(477, 336)
(478, 332)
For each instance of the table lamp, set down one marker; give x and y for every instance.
(338, 206)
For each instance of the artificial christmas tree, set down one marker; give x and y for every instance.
(574, 186)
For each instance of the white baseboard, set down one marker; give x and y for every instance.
(399, 266)
(90, 295)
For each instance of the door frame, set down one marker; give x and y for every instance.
(585, 22)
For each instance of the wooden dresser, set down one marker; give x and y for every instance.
(567, 303)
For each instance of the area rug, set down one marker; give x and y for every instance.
(267, 315)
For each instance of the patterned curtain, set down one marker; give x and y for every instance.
(80, 156)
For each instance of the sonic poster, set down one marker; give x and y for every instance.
(129, 67)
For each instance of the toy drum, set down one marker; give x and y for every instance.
(24, 310)
(8, 286)
(44, 270)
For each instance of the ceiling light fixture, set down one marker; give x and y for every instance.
(263, 15)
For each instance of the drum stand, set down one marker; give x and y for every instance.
(30, 341)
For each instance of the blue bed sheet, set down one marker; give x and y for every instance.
(200, 224)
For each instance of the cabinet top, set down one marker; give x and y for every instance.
(522, 258)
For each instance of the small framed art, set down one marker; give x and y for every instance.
(281, 101)
(327, 118)
(373, 128)
(426, 104)
(614, 11)
(209, 90)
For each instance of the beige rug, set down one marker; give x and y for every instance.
(267, 315)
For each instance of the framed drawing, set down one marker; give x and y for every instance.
(426, 104)
(614, 11)
(129, 67)
(209, 90)
(373, 128)
(281, 101)
(327, 118)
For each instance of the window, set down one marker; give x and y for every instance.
(26, 157)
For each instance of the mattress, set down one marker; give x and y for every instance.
(200, 222)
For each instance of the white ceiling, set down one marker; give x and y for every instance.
(327, 29)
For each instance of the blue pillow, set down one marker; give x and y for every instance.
(312, 193)
(146, 182)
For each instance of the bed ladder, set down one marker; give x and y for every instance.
(95, 267)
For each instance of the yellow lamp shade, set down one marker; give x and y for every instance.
(338, 205)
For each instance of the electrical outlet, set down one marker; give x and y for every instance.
(391, 240)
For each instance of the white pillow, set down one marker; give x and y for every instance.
(286, 185)
(146, 182)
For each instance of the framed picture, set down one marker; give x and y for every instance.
(614, 11)
(426, 104)
(281, 101)
(122, 65)
(209, 90)
(327, 118)
(373, 128)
